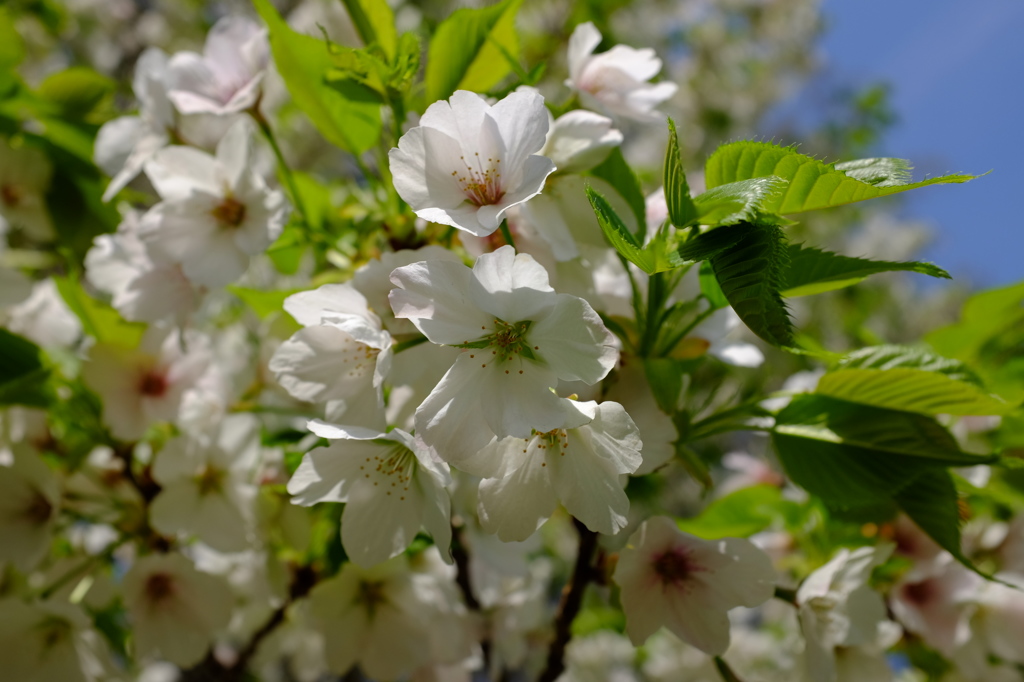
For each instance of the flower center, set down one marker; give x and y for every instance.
(371, 595)
(392, 469)
(673, 567)
(10, 195)
(556, 440)
(153, 384)
(54, 631)
(159, 587)
(481, 184)
(230, 212)
(209, 480)
(919, 593)
(38, 511)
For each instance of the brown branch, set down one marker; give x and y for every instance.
(465, 586)
(572, 599)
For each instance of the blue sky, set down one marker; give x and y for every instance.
(957, 74)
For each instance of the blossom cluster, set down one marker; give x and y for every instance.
(303, 422)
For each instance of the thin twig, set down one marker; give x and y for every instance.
(572, 600)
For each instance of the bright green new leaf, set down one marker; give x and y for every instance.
(656, 257)
(750, 275)
(737, 202)
(22, 374)
(813, 271)
(881, 430)
(616, 172)
(461, 56)
(912, 390)
(739, 514)
(263, 303)
(665, 376)
(812, 183)
(681, 210)
(345, 116)
(710, 288)
(375, 22)
(77, 92)
(98, 319)
(985, 316)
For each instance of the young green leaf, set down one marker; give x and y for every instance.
(736, 202)
(22, 374)
(812, 183)
(813, 271)
(891, 356)
(77, 92)
(681, 210)
(375, 23)
(665, 377)
(880, 172)
(98, 319)
(739, 514)
(750, 275)
(656, 257)
(12, 48)
(710, 288)
(461, 56)
(617, 173)
(912, 390)
(343, 113)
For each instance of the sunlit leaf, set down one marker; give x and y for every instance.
(812, 184)
(616, 172)
(739, 514)
(681, 210)
(912, 390)
(736, 202)
(375, 22)
(813, 271)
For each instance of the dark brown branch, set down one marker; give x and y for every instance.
(465, 586)
(572, 600)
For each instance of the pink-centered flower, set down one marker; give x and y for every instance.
(672, 579)
(468, 162)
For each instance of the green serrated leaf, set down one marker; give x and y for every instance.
(739, 514)
(813, 271)
(931, 501)
(681, 210)
(812, 184)
(891, 356)
(750, 275)
(375, 22)
(911, 390)
(462, 56)
(881, 430)
(616, 172)
(710, 288)
(656, 257)
(343, 113)
(880, 172)
(736, 202)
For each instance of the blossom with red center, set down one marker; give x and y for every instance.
(468, 162)
(686, 584)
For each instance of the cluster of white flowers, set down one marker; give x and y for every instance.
(449, 407)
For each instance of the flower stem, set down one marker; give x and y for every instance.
(572, 600)
(725, 671)
(507, 234)
(282, 165)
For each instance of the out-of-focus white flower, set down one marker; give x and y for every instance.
(467, 162)
(226, 78)
(563, 218)
(342, 354)
(615, 81)
(50, 642)
(379, 618)
(717, 329)
(44, 317)
(579, 140)
(579, 465)
(14, 286)
(934, 601)
(520, 338)
(143, 386)
(215, 213)
(126, 143)
(207, 485)
(673, 579)
(391, 483)
(603, 656)
(25, 174)
(657, 431)
(175, 610)
(839, 609)
(141, 290)
(30, 496)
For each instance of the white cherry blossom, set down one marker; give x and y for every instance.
(579, 140)
(30, 496)
(391, 484)
(686, 584)
(207, 485)
(175, 610)
(615, 81)
(50, 642)
(216, 211)
(25, 175)
(579, 465)
(44, 317)
(519, 336)
(468, 162)
(226, 78)
(935, 601)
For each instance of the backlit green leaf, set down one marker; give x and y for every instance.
(912, 390)
(742, 201)
(812, 184)
(617, 173)
(739, 514)
(681, 210)
(375, 22)
(813, 271)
